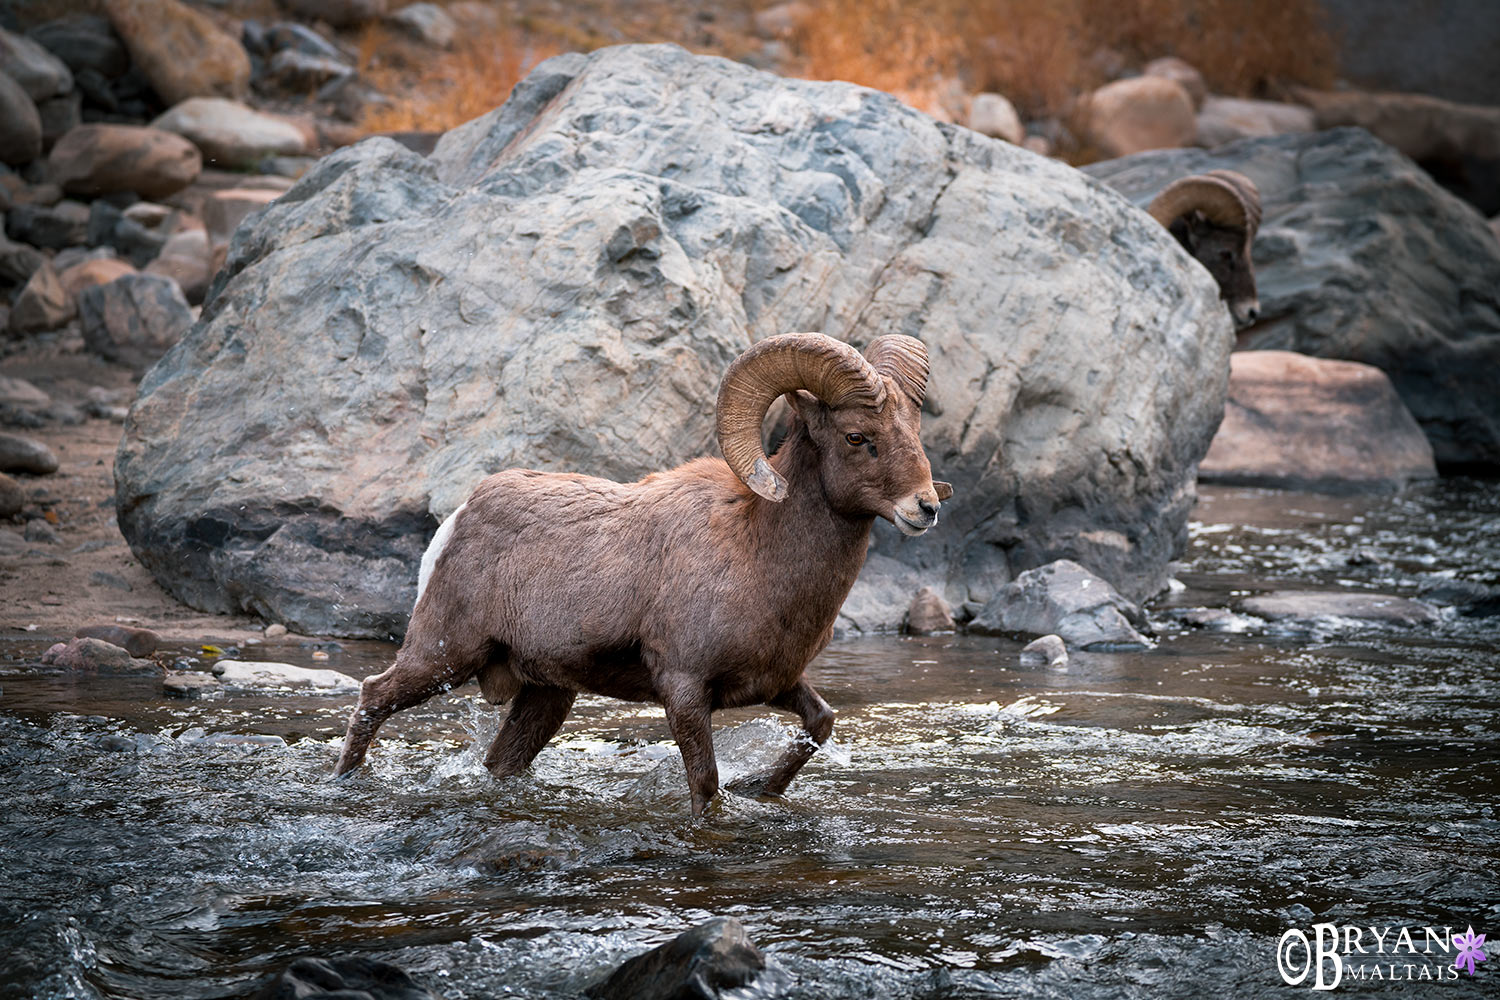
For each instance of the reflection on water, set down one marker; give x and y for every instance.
(1140, 824)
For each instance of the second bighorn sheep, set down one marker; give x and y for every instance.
(708, 586)
(1215, 216)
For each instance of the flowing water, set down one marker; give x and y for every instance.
(1145, 824)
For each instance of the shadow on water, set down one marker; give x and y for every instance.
(1142, 824)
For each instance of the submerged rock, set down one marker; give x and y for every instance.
(562, 283)
(1065, 599)
(1299, 423)
(190, 684)
(928, 613)
(1048, 651)
(135, 641)
(1361, 256)
(695, 965)
(269, 674)
(1315, 605)
(350, 978)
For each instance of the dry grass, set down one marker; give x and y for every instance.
(1043, 53)
(439, 92)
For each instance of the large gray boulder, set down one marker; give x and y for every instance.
(563, 282)
(1363, 257)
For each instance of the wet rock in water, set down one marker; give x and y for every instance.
(19, 454)
(40, 532)
(12, 499)
(230, 134)
(20, 124)
(351, 978)
(1361, 256)
(1214, 619)
(928, 613)
(135, 641)
(41, 74)
(1300, 423)
(103, 159)
(1143, 112)
(1471, 598)
(181, 50)
(134, 319)
(1313, 605)
(1065, 599)
(242, 740)
(44, 304)
(268, 674)
(888, 223)
(190, 684)
(95, 656)
(1048, 651)
(696, 965)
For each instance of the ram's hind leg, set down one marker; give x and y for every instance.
(535, 717)
(420, 671)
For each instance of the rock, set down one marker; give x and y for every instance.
(427, 23)
(230, 134)
(1139, 113)
(20, 124)
(109, 227)
(187, 259)
(257, 674)
(1362, 257)
(276, 630)
(51, 227)
(101, 159)
(43, 303)
(12, 497)
(84, 42)
(114, 581)
(880, 597)
(1227, 119)
(1080, 358)
(1048, 651)
(38, 531)
(133, 320)
(301, 38)
(1065, 599)
(338, 13)
(59, 116)
(93, 271)
(1471, 598)
(350, 978)
(1184, 73)
(783, 20)
(1459, 144)
(41, 74)
(181, 51)
(190, 684)
(36, 194)
(1312, 606)
(225, 210)
(1299, 423)
(95, 656)
(297, 71)
(21, 394)
(18, 262)
(928, 613)
(994, 116)
(1215, 619)
(135, 641)
(699, 963)
(1038, 144)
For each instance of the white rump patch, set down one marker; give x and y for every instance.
(435, 549)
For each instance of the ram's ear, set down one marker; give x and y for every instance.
(943, 490)
(805, 404)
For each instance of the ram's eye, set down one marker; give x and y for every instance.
(855, 439)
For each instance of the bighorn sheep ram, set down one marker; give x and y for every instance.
(709, 586)
(1215, 217)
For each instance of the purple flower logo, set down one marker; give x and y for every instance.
(1468, 950)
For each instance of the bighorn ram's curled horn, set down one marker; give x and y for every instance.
(1225, 197)
(904, 361)
(829, 369)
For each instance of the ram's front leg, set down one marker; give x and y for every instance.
(817, 722)
(690, 715)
